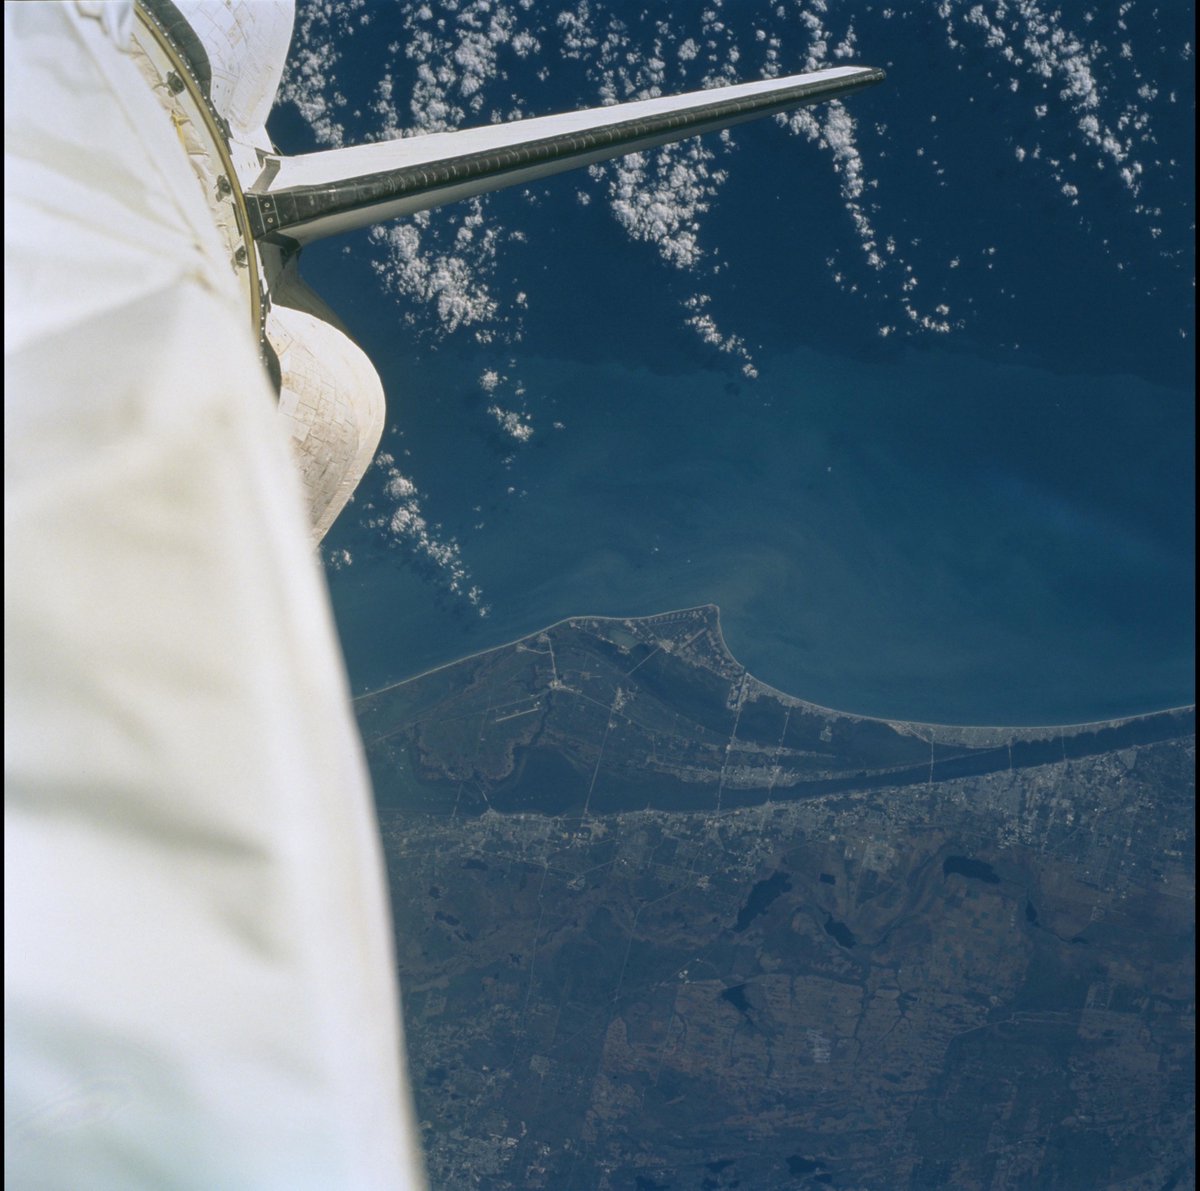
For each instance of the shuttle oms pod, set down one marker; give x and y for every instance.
(218, 68)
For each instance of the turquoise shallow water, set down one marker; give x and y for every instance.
(937, 537)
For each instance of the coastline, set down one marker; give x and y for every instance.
(973, 735)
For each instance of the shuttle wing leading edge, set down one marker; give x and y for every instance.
(308, 197)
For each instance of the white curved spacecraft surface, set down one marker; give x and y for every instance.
(199, 986)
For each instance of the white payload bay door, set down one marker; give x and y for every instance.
(199, 989)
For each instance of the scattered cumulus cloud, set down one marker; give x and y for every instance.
(1084, 104)
(403, 522)
(309, 78)
(1033, 41)
(516, 425)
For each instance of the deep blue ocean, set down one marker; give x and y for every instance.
(989, 525)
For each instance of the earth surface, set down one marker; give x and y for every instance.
(904, 386)
(661, 926)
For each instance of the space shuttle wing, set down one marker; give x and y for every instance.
(314, 195)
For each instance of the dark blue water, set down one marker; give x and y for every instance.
(993, 526)
(940, 537)
(977, 870)
(761, 896)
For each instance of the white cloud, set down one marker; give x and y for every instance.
(309, 79)
(452, 279)
(703, 323)
(658, 197)
(515, 425)
(403, 523)
(1036, 40)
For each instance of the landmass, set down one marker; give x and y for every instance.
(661, 926)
